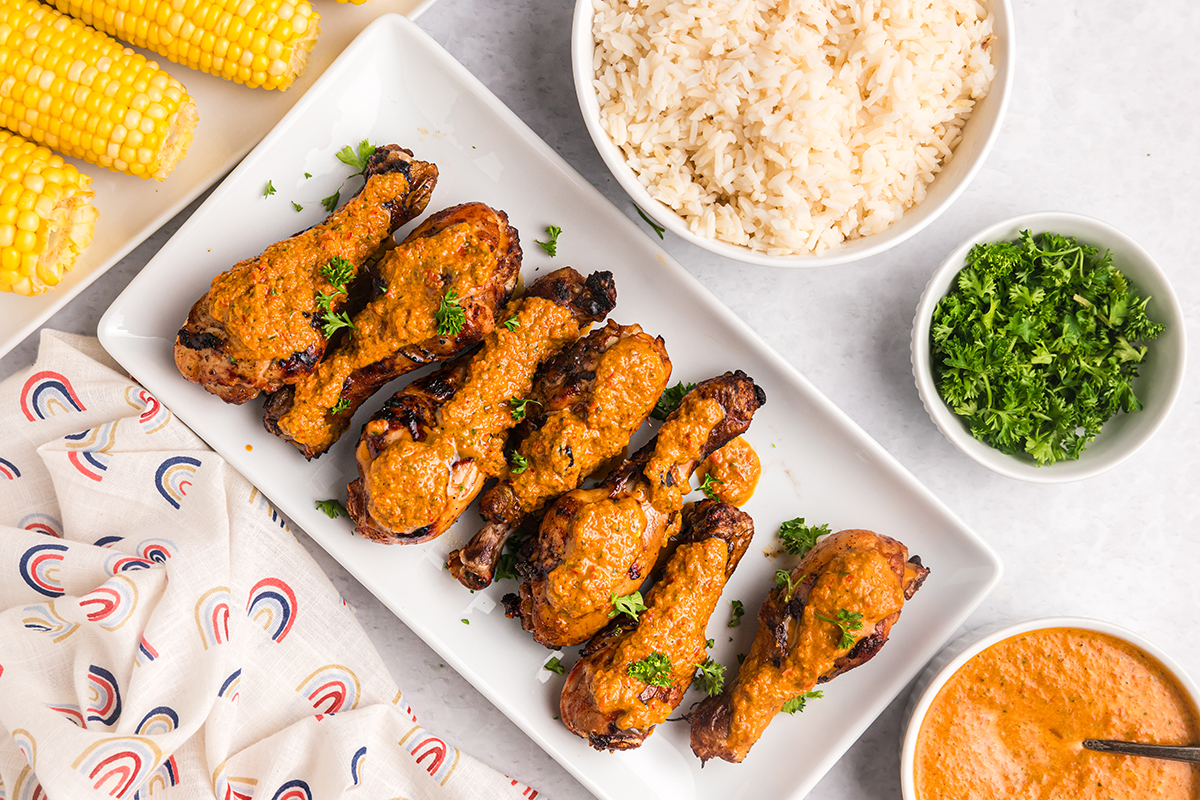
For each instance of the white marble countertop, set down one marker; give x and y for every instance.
(1103, 121)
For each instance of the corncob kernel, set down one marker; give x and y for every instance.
(256, 42)
(46, 216)
(81, 93)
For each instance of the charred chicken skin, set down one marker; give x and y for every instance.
(469, 254)
(589, 399)
(593, 543)
(423, 458)
(603, 699)
(834, 614)
(260, 325)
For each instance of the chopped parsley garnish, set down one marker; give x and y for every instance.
(357, 157)
(630, 605)
(798, 538)
(551, 246)
(335, 322)
(711, 677)
(307, 175)
(332, 508)
(708, 486)
(654, 669)
(670, 400)
(331, 202)
(1035, 345)
(269, 190)
(450, 316)
(339, 272)
(465, 621)
(657, 228)
(519, 463)
(783, 579)
(741, 658)
(709, 642)
(297, 206)
(846, 621)
(341, 405)
(517, 405)
(735, 615)
(506, 565)
(798, 702)
(555, 665)
(512, 323)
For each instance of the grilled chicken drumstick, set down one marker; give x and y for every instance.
(596, 542)
(606, 698)
(260, 325)
(590, 399)
(834, 614)
(423, 458)
(466, 257)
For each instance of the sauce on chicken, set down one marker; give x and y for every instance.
(735, 469)
(1011, 722)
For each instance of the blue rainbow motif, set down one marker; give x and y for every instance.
(89, 451)
(212, 616)
(165, 776)
(119, 764)
(272, 604)
(154, 416)
(9, 470)
(70, 711)
(295, 789)
(48, 393)
(330, 689)
(172, 476)
(41, 523)
(39, 569)
(43, 617)
(230, 787)
(229, 688)
(26, 744)
(121, 562)
(108, 541)
(145, 654)
(158, 721)
(157, 550)
(356, 763)
(424, 746)
(28, 787)
(104, 696)
(112, 603)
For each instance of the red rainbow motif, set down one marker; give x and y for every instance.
(274, 601)
(117, 765)
(45, 390)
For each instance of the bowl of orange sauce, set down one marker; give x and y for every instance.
(1004, 714)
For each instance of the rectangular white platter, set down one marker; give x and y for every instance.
(233, 119)
(394, 84)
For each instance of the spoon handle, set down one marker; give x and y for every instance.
(1170, 752)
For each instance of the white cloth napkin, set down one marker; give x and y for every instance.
(162, 633)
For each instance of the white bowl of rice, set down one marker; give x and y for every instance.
(796, 133)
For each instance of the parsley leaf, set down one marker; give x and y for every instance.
(670, 400)
(630, 605)
(1035, 346)
(657, 228)
(798, 538)
(270, 190)
(357, 157)
(654, 669)
(735, 615)
(332, 508)
(711, 677)
(297, 206)
(341, 405)
(555, 665)
(512, 323)
(708, 486)
(798, 702)
(450, 316)
(335, 322)
(519, 463)
(339, 272)
(551, 246)
(846, 621)
(783, 579)
(331, 202)
(506, 565)
(517, 406)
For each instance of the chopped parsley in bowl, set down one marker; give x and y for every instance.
(1030, 340)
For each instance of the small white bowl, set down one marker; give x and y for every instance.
(978, 135)
(1157, 384)
(956, 654)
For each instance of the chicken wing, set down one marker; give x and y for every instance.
(596, 542)
(834, 613)
(590, 399)
(260, 325)
(606, 699)
(469, 254)
(424, 457)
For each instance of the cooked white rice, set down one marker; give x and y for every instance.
(789, 126)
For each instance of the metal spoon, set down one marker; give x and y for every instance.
(1187, 753)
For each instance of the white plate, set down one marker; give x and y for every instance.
(232, 120)
(396, 85)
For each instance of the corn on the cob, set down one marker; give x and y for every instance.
(81, 93)
(256, 42)
(46, 216)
